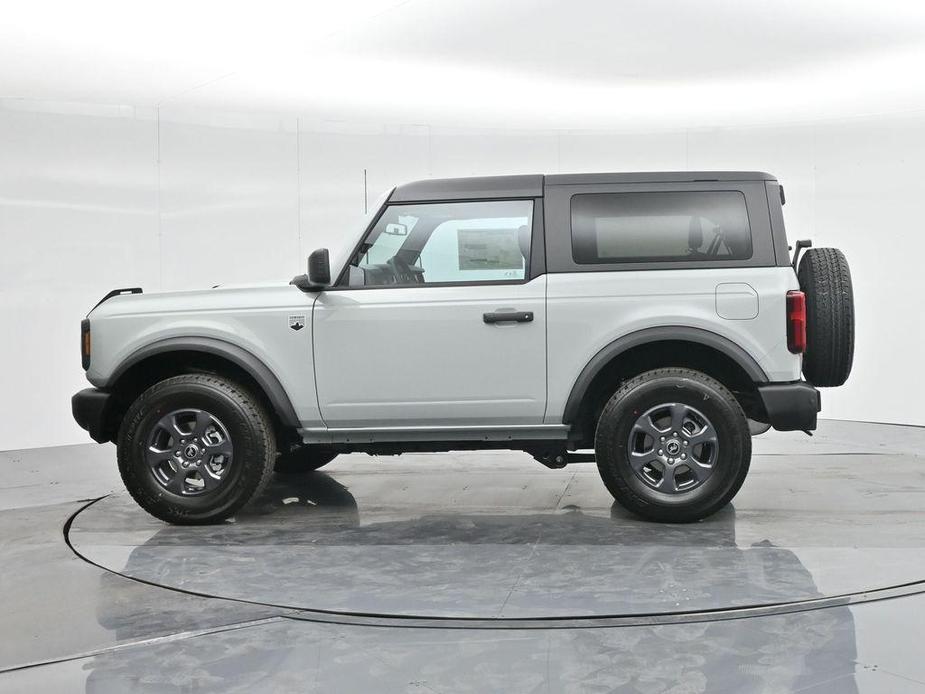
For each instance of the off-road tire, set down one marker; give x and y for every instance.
(303, 459)
(826, 280)
(673, 385)
(250, 430)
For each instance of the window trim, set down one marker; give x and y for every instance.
(536, 267)
(629, 260)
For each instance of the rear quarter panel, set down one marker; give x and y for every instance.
(586, 311)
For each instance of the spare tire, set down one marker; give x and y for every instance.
(826, 280)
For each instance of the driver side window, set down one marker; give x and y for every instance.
(440, 243)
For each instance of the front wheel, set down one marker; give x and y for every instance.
(194, 449)
(673, 445)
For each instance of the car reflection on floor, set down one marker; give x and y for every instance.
(655, 568)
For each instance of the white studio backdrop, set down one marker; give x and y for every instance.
(95, 197)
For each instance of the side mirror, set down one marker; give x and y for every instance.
(319, 272)
(319, 268)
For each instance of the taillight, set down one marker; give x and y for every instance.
(85, 344)
(796, 322)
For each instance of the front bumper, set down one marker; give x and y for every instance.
(791, 406)
(89, 408)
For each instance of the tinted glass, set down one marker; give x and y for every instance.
(446, 243)
(655, 227)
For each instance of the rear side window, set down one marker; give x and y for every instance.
(659, 226)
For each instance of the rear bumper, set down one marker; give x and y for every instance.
(791, 406)
(89, 409)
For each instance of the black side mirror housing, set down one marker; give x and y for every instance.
(319, 272)
(319, 268)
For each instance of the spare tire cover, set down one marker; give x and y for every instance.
(826, 280)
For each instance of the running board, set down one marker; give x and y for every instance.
(501, 432)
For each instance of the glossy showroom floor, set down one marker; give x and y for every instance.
(479, 572)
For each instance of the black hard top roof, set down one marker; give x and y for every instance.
(531, 186)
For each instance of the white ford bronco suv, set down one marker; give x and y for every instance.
(656, 318)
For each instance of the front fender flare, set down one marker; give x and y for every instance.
(247, 361)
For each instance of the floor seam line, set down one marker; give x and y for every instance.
(520, 575)
(166, 638)
(532, 551)
(565, 491)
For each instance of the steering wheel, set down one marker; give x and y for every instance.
(404, 274)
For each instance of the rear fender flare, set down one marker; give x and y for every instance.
(649, 335)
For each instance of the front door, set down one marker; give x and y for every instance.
(437, 322)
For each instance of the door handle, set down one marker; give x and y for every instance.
(508, 317)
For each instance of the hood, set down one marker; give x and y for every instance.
(221, 297)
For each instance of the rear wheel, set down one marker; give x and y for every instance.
(194, 449)
(673, 445)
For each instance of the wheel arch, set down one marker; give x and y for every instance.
(640, 351)
(174, 356)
